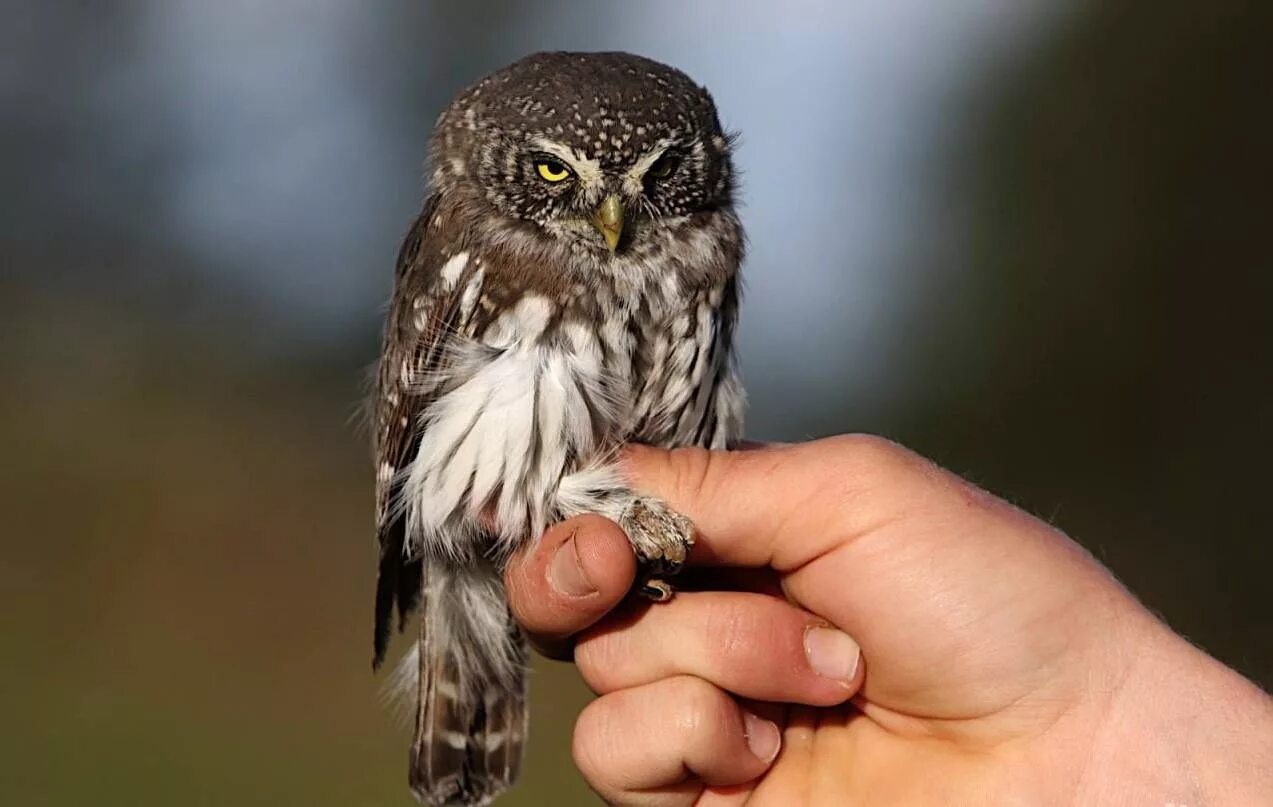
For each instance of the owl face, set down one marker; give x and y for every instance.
(600, 151)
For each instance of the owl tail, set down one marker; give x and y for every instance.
(471, 711)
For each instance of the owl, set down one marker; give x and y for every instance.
(570, 285)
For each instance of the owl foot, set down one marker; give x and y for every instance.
(662, 539)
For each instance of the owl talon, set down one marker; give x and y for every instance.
(657, 590)
(662, 539)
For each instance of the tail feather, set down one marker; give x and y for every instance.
(439, 751)
(471, 714)
(504, 736)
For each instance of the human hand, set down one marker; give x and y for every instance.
(1002, 663)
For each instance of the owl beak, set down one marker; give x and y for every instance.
(609, 221)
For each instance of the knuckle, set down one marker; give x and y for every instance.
(869, 452)
(892, 477)
(869, 470)
(704, 709)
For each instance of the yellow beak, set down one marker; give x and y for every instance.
(609, 221)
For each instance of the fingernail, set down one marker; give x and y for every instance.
(832, 654)
(763, 738)
(566, 573)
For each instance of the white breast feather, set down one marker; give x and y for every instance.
(496, 445)
(504, 431)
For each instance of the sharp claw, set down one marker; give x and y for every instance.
(657, 590)
(662, 540)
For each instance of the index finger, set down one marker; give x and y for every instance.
(784, 505)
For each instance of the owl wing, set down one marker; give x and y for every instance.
(424, 312)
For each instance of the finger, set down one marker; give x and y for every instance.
(752, 645)
(576, 572)
(784, 505)
(659, 744)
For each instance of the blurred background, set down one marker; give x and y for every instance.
(1031, 240)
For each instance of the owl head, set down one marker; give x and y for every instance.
(602, 152)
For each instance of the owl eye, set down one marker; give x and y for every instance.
(551, 170)
(664, 166)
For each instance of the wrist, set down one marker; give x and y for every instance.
(1180, 729)
(1230, 746)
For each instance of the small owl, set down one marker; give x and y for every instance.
(571, 285)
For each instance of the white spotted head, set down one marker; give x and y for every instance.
(598, 149)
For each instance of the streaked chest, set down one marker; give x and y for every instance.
(534, 387)
(640, 350)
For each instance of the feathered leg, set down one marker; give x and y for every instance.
(661, 537)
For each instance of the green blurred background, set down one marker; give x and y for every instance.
(1032, 242)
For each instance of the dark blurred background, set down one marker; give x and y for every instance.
(1032, 242)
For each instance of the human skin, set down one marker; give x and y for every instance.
(998, 664)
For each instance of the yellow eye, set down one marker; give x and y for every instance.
(551, 170)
